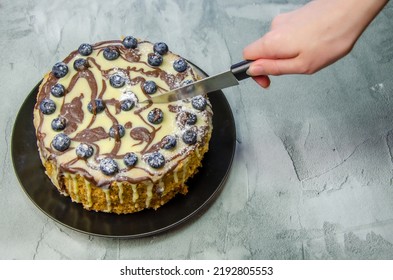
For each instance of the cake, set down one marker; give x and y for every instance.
(102, 140)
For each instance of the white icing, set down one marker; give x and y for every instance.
(185, 166)
(134, 92)
(88, 193)
(108, 200)
(161, 187)
(149, 194)
(120, 186)
(75, 187)
(197, 152)
(135, 194)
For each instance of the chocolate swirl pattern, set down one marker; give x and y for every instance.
(96, 95)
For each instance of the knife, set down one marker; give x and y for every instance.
(226, 79)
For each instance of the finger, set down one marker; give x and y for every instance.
(263, 81)
(257, 49)
(275, 67)
(272, 45)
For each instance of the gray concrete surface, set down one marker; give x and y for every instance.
(312, 176)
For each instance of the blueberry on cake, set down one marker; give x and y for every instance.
(101, 138)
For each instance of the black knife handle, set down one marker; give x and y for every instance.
(239, 69)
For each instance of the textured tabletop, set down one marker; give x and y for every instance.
(312, 176)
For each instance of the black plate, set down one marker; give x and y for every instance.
(203, 187)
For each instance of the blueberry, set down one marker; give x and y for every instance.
(117, 131)
(81, 64)
(130, 159)
(96, 107)
(191, 118)
(127, 104)
(156, 160)
(85, 49)
(108, 166)
(150, 87)
(57, 90)
(160, 48)
(60, 69)
(188, 86)
(130, 42)
(154, 59)
(155, 116)
(189, 137)
(58, 124)
(187, 118)
(169, 142)
(186, 82)
(117, 81)
(111, 53)
(199, 102)
(47, 106)
(61, 142)
(84, 150)
(180, 65)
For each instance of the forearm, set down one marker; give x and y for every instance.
(356, 15)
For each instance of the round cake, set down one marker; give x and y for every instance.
(101, 138)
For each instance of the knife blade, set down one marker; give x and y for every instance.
(223, 80)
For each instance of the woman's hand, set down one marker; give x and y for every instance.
(310, 38)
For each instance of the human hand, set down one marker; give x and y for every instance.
(310, 38)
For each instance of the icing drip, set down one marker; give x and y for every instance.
(160, 188)
(135, 194)
(75, 188)
(108, 200)
(149, 194)
(120, 186)
(197, 153)
(88, 193)
(185, 166)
